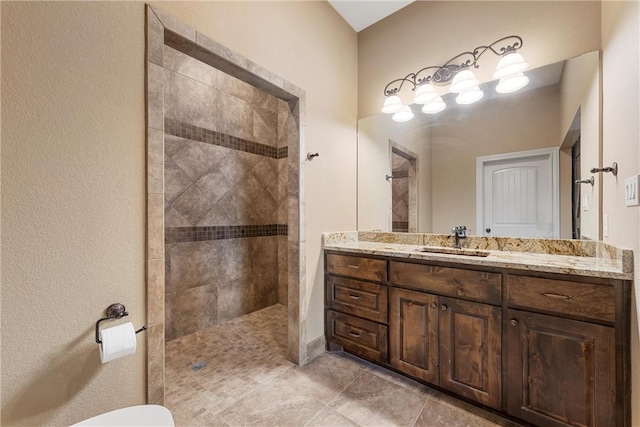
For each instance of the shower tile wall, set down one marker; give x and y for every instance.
(225, 168)
(400, 193)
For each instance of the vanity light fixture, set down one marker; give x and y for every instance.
(425, 94)
(403, 115)
(457, 73)
(434, 106)
(392, 104)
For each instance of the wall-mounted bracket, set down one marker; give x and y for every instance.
(586, 181)
(613, 169)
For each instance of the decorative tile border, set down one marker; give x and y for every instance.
(222, 232)
(195, 133)
(400, 226)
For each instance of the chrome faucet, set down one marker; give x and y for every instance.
(460, 232)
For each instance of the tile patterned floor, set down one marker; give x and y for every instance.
(248, 381)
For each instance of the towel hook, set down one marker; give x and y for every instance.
(585, 181)
(114, 311)
(613, 169)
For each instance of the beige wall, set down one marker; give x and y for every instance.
(374, 192)
(73, 173)
(527, 122)
(621, 143)
(419, 141)
(73, 205)
(431, 32)
(72, 169)
(580, 90)
(308, 44)
(0, 205)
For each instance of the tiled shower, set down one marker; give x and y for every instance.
(225, 190)
(400, 193)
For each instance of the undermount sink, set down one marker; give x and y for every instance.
(453, 251)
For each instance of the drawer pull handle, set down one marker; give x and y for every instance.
(513, 322)
(557, 296)
(353, 296)
(355, 267)
(354, 334)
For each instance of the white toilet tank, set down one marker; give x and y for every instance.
(141, 415)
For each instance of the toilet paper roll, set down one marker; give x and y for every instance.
(117, 342)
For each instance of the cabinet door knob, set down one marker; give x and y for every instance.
(513, 322)
(443, 307)
(434, 305)
(488, 230)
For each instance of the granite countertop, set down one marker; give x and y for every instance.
(575, 257)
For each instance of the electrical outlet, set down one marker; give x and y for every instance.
(605, 225)
(631, 190)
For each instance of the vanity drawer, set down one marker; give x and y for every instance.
(358, 267)
(358, 336)
(562, 297)
(455, 282)
(363, 299)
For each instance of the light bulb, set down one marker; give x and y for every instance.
(392, 104)
(425, 93)
(403, 115)
(469, 96)
(511, 63)
(464, 80)
(434, 106)
(512, 83)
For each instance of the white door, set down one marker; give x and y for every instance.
(517, 194)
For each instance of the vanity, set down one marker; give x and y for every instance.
(534, 329)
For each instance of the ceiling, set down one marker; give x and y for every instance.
(362, 13)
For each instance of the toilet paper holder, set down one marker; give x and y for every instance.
(114, 311)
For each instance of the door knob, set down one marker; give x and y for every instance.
(513, 322)
(443, 307)
(488, 230)
(434, 305)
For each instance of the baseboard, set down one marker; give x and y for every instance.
(315, 348)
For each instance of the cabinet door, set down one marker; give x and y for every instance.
(560, 372)
(413, 333)
(471, 350)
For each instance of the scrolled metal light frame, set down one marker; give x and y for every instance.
(443, 74)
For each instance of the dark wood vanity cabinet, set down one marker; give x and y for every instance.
(565, 367)
(548, 349)
(356, 297)
(561, 372)
(444, 330)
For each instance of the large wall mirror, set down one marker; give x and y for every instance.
(506, 165)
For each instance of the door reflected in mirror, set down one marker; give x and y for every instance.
(560, 108)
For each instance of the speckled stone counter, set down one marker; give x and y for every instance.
(576, 257)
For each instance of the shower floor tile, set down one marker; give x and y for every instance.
(247, 380)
